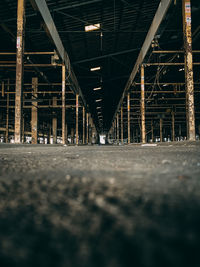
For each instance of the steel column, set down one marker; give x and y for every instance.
(7, 113)
(19, 69)
(34, 111)
(87, 128)
(173, 126)
(63, 105)
(161, 129)
(129, 120)
(186, 5)
(117, 128)
(152, 130)
(54, 122)
(143, 129)
(122, 126)
(77, 106)
(83, 125)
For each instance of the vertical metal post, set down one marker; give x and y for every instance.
(87, 130)
(161, 128)
(7, 113)
(179, 130)
(117, 128)
(23, 129)
(49, 134)
(34, 111)
(152, 130)
(186, 5)
(122, 126)
(142, 106)
(77, 106)
(173, 126)
(19, 70)
(72, 135)
(83, 125)
(54, 122)
(63, 105)
(66, 134)
(129, 120)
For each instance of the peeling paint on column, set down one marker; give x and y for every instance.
(190, 116)
(19, 70)
(34, 113)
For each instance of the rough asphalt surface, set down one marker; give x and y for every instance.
(100, 206)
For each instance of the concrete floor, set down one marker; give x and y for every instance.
(100, 206)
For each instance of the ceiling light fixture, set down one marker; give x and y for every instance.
(95, 69)
(98, 100)
(97, 88)
(92, 27)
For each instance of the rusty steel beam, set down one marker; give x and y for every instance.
(122, 125)
(54, 122)
(87, 128)
(63, 105)
(83, 125)
(142, 108)
(34, 113)
(7, 114)
(19, 69)
(117, 128)
(173, 126)
(169, 64)
(31, 65)
(172, 51)
(41, 5)
(186, 6)
(77, 109)
(152, 130)
(160, 14)
(161, 129)
(129, 119)
(26, 53)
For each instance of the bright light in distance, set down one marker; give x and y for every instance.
(97, 88)
(98, 107)
(182, 69)
(92, 27)
(95, 69)
(164, 85)
(98, 100)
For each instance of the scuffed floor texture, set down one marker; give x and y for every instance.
(100, 206)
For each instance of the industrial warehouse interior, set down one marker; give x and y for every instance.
(99, 133)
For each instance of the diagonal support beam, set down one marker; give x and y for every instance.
(159, 16)
(52, 31)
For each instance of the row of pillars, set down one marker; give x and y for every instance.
(19, 93)
(86, 120)
(190, 112)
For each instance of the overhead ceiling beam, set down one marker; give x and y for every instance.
(52, 31)
(60, 8)
(158, 18)
(105, 56)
